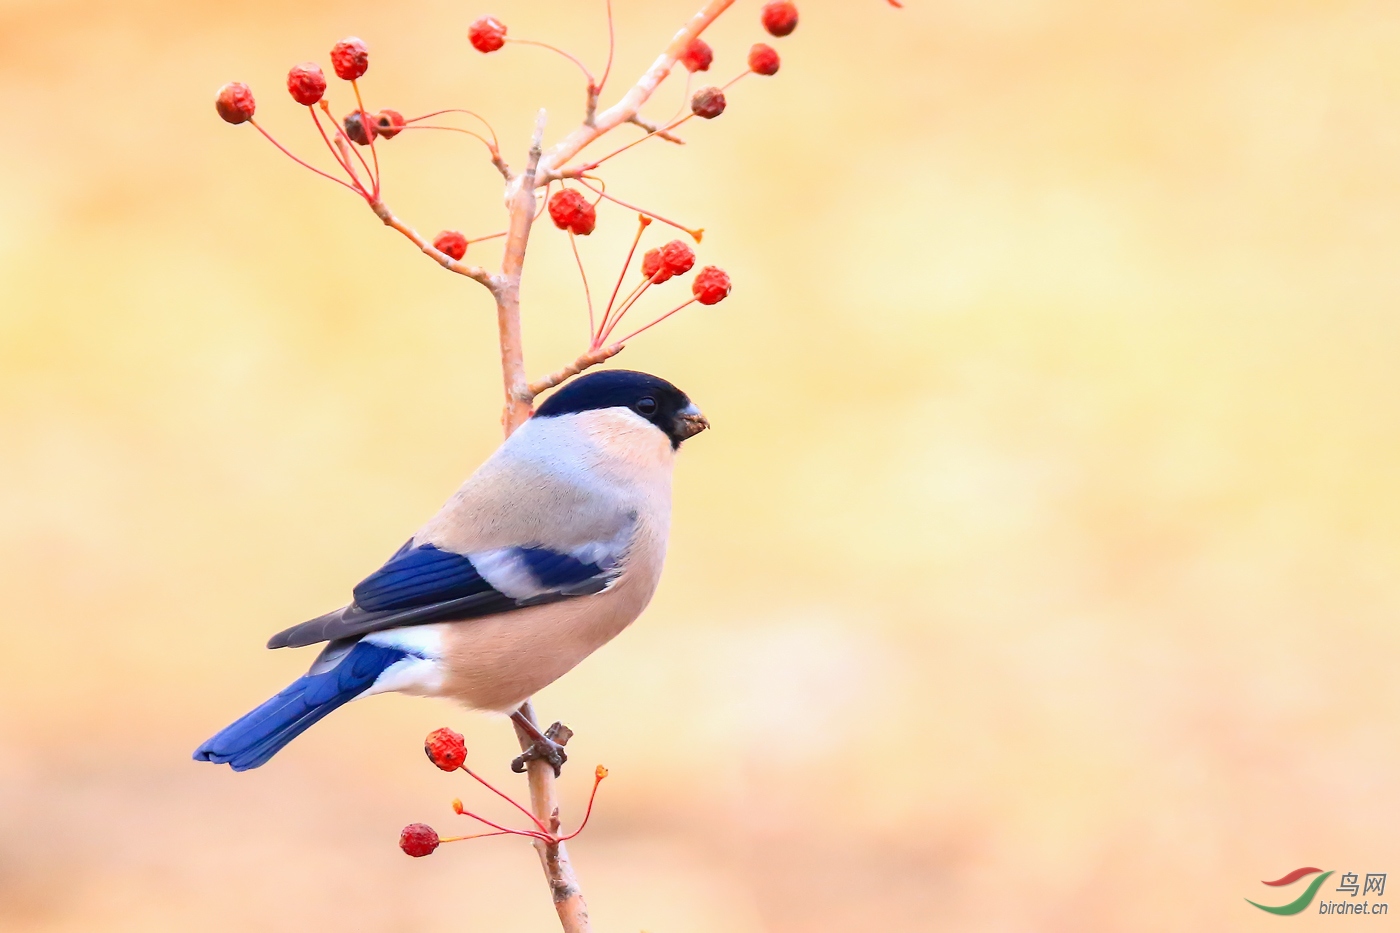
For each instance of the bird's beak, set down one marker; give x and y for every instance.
(690, 422)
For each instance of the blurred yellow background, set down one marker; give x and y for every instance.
(1040, 572)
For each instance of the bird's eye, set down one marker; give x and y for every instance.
(646, 406)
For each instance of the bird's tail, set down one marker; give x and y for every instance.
(255, 738)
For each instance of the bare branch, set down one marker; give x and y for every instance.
(656, 129)
(631, 103)
(447, 262)
(522, 216)
(563, 883)
(586, 361)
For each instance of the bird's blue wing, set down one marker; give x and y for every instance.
(419, 576)
(422, 583)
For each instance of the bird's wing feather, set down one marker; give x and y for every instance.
(423, 584)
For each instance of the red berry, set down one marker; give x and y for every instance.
(677, 258)
(453, 244)
(708, 102)
(306, 83)
(235, 103)
(350, 58)
(358, 130)
(780, 17)
(653, 268)
(487, 34)
(389, 123)
(711, 286)
(418, 839)
(697, 55)
(763, 60)
(571, 211)
(445, 748)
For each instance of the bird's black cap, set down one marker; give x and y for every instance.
(651, 397)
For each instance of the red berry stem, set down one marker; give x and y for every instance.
(504, 796)
(735, 80)
(598, 774)
(490, 236)
(626, 306)
(409, 125)
(643, 221)
(592, 85)
(343, 143)
(373, 151)
(335, 152)
(658, 132)
(288, 153)
(494, 145)
(542, 836)
(473, 836)
(696, 234)
(612, 46)
(471, 113)
(657, 321)
(587, 294)
(627, 302)
(684, 105)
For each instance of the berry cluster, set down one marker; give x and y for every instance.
(447, 750)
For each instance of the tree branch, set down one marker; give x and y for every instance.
(382, 211)
(656, 129)
(522, 216)
(554, 858)
(586, 361)
(631, 103)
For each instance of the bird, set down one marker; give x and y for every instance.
(552, 547)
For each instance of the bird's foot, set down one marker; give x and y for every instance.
(547, 747)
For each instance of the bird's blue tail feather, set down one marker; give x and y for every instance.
(255, 738)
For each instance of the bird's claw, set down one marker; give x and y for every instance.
(550, 749)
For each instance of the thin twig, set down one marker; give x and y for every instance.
(506, 797)
(586, 361)
(631, 103)
(657, 321)
(285, 151)
(382, 211)
(696, 233)
(583, 274)
(652, 127)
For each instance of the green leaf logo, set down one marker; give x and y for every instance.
(1304, 899)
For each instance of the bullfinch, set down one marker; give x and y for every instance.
(552, 547)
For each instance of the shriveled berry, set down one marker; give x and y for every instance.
(780, 17)
(306, 83)
(418, 839)
(358, 130)
(445, 748)
(763, 59)
(389, 123)
(708, 102)
(235, 103)
(697, 55)
(677, 257)
(571, 211)
(487, 34)
(350, 58)
(653, 268)
(711, 286)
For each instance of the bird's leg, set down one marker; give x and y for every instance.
(547, 745)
